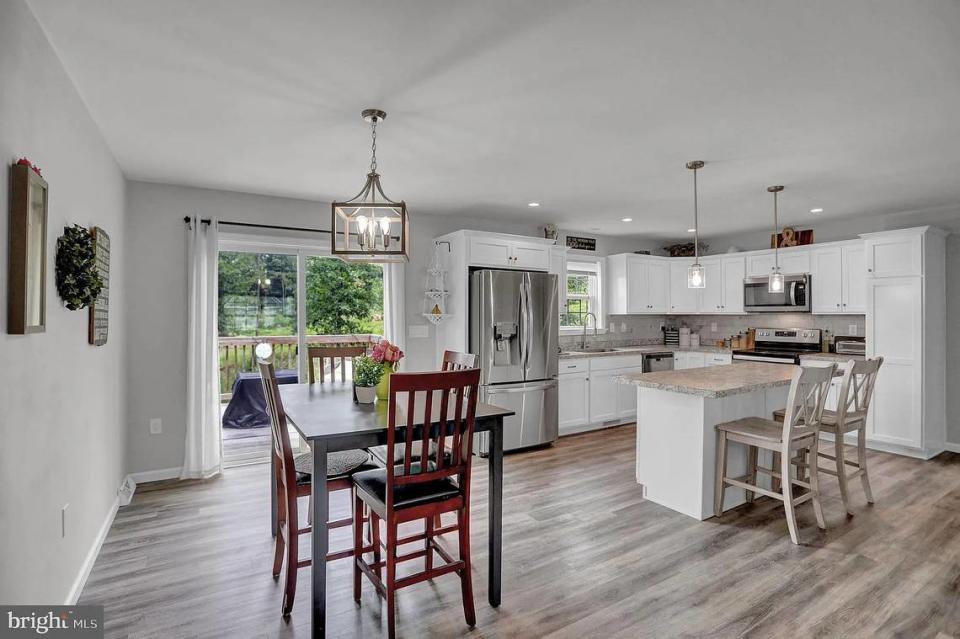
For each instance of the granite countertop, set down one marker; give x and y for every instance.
(716, 381)
(646, 348)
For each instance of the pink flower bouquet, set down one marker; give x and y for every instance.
(387, 354)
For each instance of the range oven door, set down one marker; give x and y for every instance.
(794, 298)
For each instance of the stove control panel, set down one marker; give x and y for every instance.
(789, 335)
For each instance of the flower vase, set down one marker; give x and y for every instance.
(383, 388)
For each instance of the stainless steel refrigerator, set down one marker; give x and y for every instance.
(514, 328)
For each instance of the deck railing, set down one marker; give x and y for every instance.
(236, 354)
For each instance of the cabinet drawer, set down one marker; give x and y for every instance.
(574, 365)
(615, 362)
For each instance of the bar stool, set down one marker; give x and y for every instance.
(853, 404)
(798, 435)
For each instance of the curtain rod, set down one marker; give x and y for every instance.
(187, 218)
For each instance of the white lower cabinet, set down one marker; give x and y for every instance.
(604, 396)
(573, 401)
(592, 397)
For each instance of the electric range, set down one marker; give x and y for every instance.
(781, 345)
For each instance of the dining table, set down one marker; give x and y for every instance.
(329, 420)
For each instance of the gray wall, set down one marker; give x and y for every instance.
(157, 309)
(62, 426)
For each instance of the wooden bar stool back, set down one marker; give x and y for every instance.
(853, 405)
(446, 403)
(795, 439)
(456, 361)
(323, 353)
(293, 480)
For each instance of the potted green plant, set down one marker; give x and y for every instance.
(366, 375)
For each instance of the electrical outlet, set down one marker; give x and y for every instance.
(713, 327)
(852, 328)
(613, 327)
(156, 426)
(63, 520)
(418, 331)
(623, 327)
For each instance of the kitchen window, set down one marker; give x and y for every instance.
(583, 282)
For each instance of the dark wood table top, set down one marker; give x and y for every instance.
(327, 411)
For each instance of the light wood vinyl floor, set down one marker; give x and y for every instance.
(584, 556)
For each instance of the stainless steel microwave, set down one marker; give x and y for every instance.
(794, 298)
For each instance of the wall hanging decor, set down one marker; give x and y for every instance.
(100, 309)
(685, 249)
(78, 280)
(27, 299)
(790, 236)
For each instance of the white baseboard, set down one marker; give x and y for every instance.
(92, 555)
(159, 474)
(953, 448)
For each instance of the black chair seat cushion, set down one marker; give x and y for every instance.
(339, 464)
(374, 483)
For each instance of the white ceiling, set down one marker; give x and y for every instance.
(589, 107)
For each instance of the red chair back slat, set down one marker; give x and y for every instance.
(428, 394)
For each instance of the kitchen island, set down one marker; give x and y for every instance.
(676, 441)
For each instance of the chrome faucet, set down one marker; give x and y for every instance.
(583, 338)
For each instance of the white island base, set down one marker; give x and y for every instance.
(676, 443)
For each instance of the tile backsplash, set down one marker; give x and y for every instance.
(628, 330)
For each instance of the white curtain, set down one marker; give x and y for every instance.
(394, 320)
(202, 452)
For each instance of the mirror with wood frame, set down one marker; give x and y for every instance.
(27, 304)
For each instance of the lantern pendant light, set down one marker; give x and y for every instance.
(370, 227)
(775, 285)
(696, 277)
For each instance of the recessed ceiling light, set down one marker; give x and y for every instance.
(626, 219)
(816, 210)
(533, 204)
(691, 230)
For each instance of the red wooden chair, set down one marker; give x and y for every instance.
(446, 402)
(293, 480)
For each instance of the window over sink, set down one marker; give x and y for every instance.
(584, 286)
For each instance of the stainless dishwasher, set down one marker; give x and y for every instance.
(659, 361)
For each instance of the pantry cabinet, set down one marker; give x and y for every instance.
(905, 312)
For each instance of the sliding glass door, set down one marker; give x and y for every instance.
(293, 298)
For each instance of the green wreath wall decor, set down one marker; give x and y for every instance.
(78, 280)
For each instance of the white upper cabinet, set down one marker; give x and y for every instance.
(558, 266)
(658, 285)
(792, 260)
(854, 279)
(826, 280)
(839, 281)
(637, 284)
(734, 270)
(502, 251)
(894, 255)
(711, 300)
(682, 298)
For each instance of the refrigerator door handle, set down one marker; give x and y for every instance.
(524, 323)
(525, 388)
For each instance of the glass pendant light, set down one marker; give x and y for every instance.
(775, 285)
(696, 277)
(370, 227)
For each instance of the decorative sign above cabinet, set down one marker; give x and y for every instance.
(582, 243)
